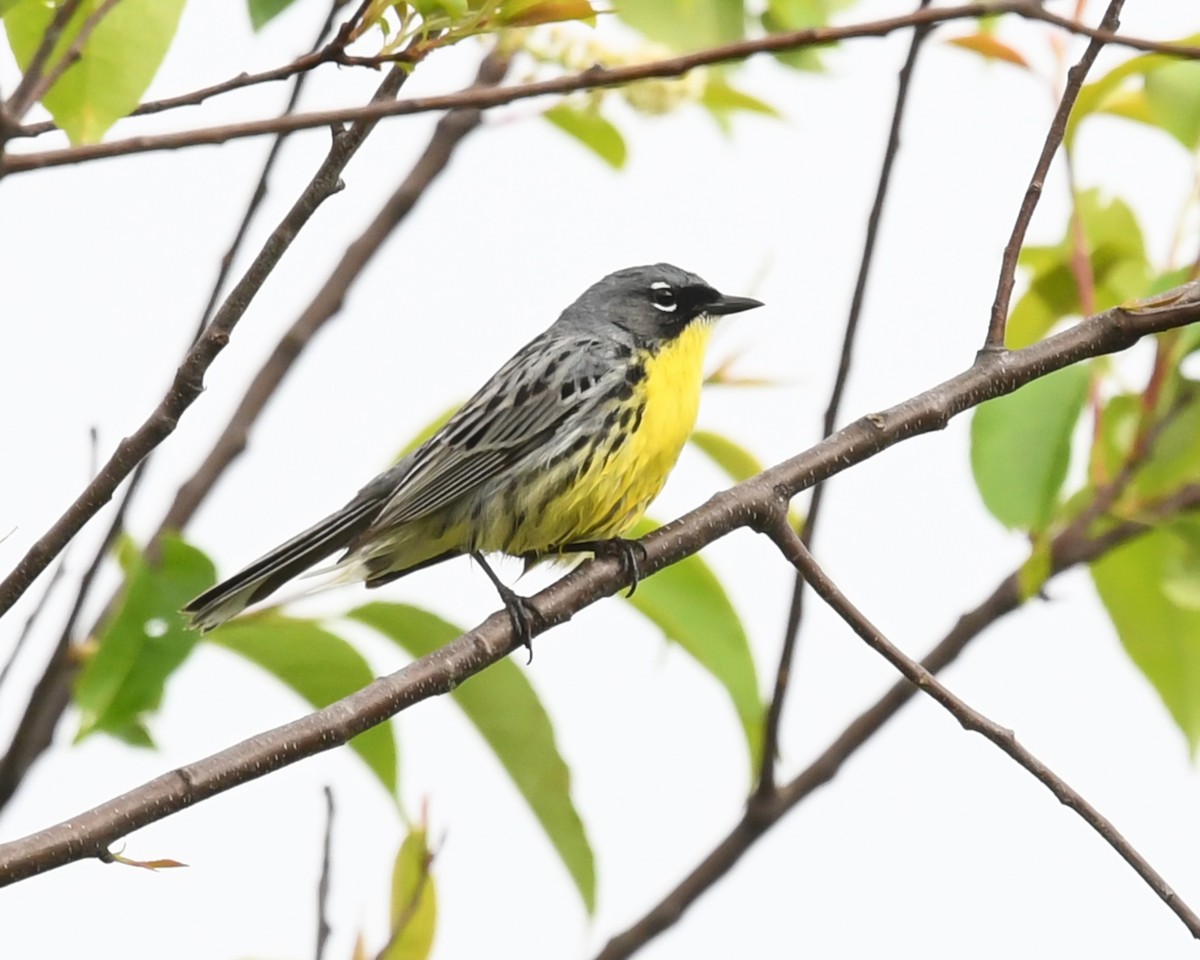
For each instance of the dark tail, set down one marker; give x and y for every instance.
(268, 573)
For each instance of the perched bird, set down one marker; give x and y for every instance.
(562, 450)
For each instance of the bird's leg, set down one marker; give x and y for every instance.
(521, 613)
(630, 554)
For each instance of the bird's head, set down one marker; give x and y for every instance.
(654, 303)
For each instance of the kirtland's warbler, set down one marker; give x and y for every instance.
(561, 451)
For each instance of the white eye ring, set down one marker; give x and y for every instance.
(663, 297)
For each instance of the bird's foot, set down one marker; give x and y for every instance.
(522, 614)
(629, 554)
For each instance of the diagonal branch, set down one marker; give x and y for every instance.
(1070, 548)
(188, 381)
(52, 694)
(1033, 193)
(593, 78)
(766, 777)
(797, 554)
(749, 504)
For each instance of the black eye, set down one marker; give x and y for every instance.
(663, 297)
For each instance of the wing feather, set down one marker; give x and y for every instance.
(517, 412)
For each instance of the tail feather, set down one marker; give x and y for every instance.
(270, 572)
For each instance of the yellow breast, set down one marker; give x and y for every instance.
(672, 397)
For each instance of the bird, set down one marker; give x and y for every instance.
(561, 451)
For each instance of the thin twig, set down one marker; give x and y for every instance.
(51, 694)
(593, 78)
(749, 504)
(327, 303)
(766, 778)
(797, 554)
(30, 623)
(1054, 137)
(260, 188)
(323, 928)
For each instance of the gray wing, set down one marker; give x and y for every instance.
(518, 411)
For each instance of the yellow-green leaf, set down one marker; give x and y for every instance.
(1021, 447)
(1119, 268)
(143, 643)
(590, 128)
(688, 604)
(506, 711)
(1138, 583)
(413, 901)
(318, 665)
(116, 65)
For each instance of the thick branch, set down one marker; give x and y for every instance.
(596, 77)
(751, 504)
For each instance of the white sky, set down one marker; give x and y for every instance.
(930, 841)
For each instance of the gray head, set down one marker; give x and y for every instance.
(654, 303)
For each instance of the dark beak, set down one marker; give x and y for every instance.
(725, 304)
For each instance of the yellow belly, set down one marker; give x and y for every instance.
(613, 493)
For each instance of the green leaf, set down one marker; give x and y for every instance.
(118, 60)
(319, 666)
(1173, 92)
(722, 100)
(736, 461)
(413, 902)
(686, 25)
(1175, 456)
(506, 711)
(428, 430)
(1136, 583)
(1120, 270)
(143, 643)
(1021, 447)
(590, 128)
(263, 12)
(688, 604)
(1170, 101)
(1036, 569)
(783, 16)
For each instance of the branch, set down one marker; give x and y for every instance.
(323, 928)
(451, 130)
(52, 692)
(796, 552)
(766, 777)
(750, 504)
(593, 78)
(189, 377)
(1068, 549)
(52, 696)
(1033, 193)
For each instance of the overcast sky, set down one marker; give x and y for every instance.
(930, 840)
